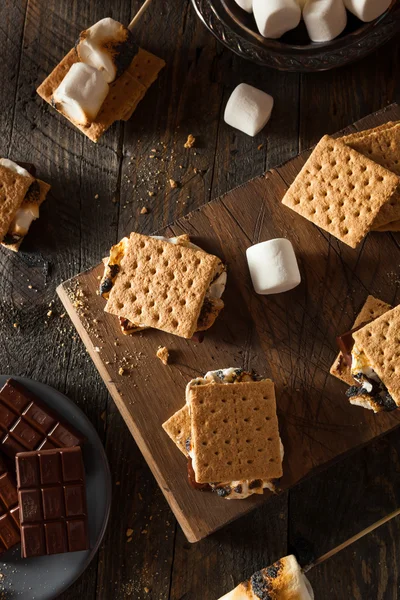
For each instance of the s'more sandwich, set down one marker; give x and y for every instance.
(228, 430)
(284, 580)
(21, 195)
(369, 358)
(163, 283)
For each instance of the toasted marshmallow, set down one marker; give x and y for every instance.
(23, 219)
(284, 580)
(9, 164)
(108, 46)
(81, 93)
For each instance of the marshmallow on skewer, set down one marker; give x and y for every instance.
(247, 5)
(81, 93)
(284, 580)
(108, 46)
(367, 10)
(273, 266)
(324, 19)
(248, 109)
(276, 17)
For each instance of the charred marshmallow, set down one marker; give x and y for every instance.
(107, 46)
(81, 93)
(324, 19)
(276, 17)
(367, 10)
(273, 266)
(248, 109)
(284, 579)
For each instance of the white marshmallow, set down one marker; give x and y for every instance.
(81, 93)
(10, 164)
(273, 266)
(275, 17)
(324, 19)
(248, 109)
(105, 45)
(247, 5)
(367, 10)
(284, 581)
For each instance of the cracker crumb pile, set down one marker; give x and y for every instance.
(190, 141)
(163, 354)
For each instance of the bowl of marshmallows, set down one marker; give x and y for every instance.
(301, 35)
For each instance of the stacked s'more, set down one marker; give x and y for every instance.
(350, 186)
(169, 284)
(21, 195)
(102, 79)
(228, 430)
(368, 360)
(284, 580)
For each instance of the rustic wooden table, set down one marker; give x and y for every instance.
(98, 193)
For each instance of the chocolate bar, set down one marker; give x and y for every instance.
(9, 511)
(27, 423)
(52, 501)
(346, 343)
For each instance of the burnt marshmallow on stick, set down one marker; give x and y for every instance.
(284, 580)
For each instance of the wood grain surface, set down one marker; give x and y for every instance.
(77, 228)
(287, 337)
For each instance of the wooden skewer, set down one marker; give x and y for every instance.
(351, 540)
(139, 13)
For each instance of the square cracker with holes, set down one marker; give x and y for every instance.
(13, 188)
(161, 285)
(178, 428)
(371, 310)
(341, 191)
(234, 431)
(125, 92)
(357, 135)
(380, 342)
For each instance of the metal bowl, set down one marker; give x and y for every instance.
(237, 30)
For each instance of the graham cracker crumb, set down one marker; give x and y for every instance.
(144, 210)
(173, 183)
(163, 354)
(129, 532)
(121, 371)
(190, 141)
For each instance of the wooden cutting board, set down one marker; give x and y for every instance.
(289, 337)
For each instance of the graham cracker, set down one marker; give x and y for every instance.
(380, 342)
(124, 95)
(44, 190)
(383, 147)
(178, 428)
(234, 431)
(372, 309)
(352, 137)
(161, 285)
(13, 188)
(341, 191)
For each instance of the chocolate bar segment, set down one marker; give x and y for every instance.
(9, 511)
(27, 423)
(52, 501)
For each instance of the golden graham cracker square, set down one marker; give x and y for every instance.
(234, 431)
(44, 190)
(341, 191)
(124, 95)
(383, 147)
(13, 188)
(178, 428)
(352, 137)
(161, 285)
(380, 341)
(372, 309)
